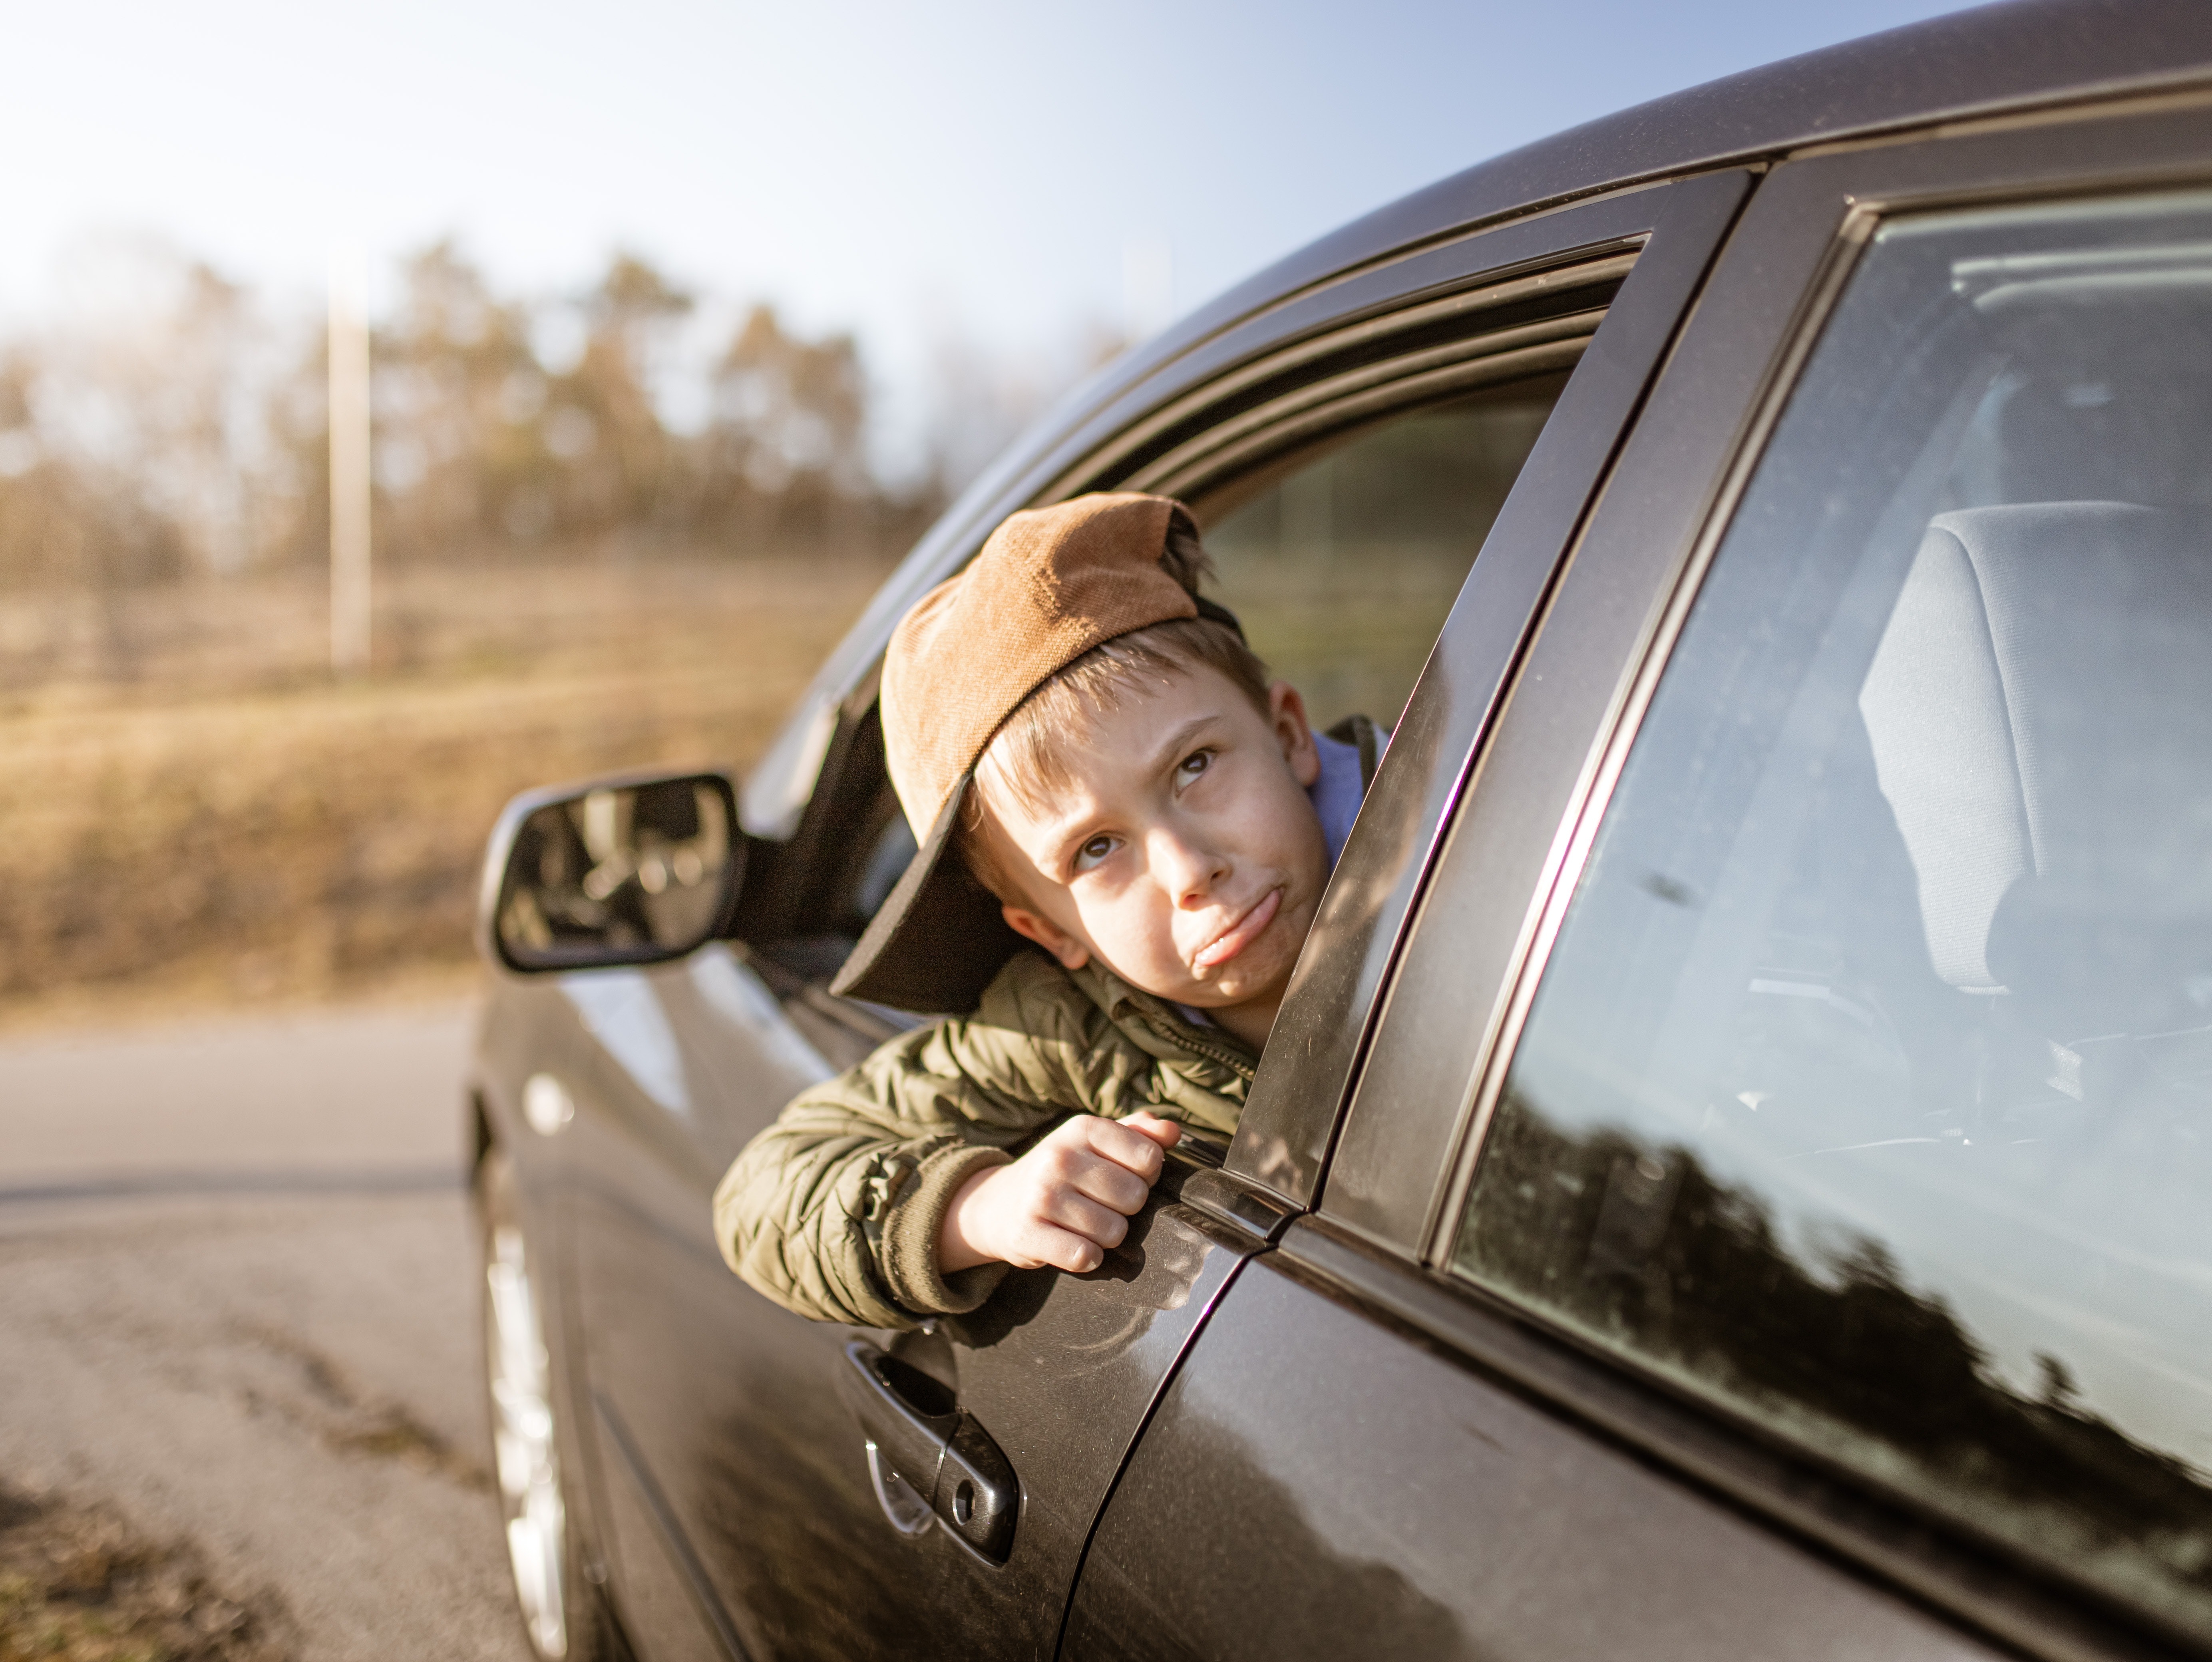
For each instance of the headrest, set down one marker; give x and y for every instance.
(2040, 709)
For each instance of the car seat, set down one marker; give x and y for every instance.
(2039, 709)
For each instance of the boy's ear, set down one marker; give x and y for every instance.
(1286, 713)
(1071, 952)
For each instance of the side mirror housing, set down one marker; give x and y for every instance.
(633, 869)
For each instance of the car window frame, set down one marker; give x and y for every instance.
(1291, 1120)
(1559, 256)
(1527, 822)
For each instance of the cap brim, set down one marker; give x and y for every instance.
(938, 937)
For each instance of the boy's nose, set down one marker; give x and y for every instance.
(1188, 871)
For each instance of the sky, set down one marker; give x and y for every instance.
(1003, 173)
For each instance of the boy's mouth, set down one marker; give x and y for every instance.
(1239, 935)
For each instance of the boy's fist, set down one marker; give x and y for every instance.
(1062, 1203)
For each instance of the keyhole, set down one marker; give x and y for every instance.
(963, 1502)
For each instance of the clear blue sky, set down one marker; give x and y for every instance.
(881, 167)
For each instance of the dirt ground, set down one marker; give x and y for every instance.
(244, 1414)
(78, 1584)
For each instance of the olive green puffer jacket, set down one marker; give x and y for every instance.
(833, 1210)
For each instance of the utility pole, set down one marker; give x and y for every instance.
(349, 461)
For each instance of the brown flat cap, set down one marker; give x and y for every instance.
(1049, 585)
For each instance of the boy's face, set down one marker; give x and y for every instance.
(1184, 854)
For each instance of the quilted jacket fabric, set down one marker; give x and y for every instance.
(833, 1210)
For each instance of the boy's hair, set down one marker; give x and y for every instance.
(1027, 757)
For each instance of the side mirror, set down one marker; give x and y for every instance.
(631, 869)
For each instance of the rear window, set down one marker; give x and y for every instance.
(1868, 1092)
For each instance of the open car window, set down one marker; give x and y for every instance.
(1342, 565)
(1868, 1090)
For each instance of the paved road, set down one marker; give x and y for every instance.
(237, 1304)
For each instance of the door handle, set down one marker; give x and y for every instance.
(929, 1460)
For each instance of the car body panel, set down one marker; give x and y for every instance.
(740, 1474)
(1406, 1505)
(680, 1078)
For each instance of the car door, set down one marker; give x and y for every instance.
(1348, 455)
(1769, 1221)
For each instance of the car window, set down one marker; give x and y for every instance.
(1341, 565)
(1868, 1090)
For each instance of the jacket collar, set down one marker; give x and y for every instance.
(1139, 1015)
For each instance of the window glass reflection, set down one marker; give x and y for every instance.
(1868, 1088)
(640, 870)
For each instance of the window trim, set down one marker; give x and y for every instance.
(1052, 463)
(1593, 794)
(783, 799)
(1471, 354)
(1222, 454)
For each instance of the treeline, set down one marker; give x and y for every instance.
(175, 429)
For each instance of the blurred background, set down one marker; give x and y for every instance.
(682, 319)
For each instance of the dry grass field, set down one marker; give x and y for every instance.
(192, 811)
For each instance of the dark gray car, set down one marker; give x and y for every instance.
(1734, 1173)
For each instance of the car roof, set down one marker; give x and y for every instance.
(2022, 54)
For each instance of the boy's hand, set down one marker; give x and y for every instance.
(1062, 1203)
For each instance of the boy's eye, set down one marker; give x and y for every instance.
(1093, 852)
(1193, 765)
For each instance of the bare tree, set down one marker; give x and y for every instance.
(168, 424)
(460, 398)
(784, 452)
(621, 471)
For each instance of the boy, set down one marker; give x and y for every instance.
(1124, 831)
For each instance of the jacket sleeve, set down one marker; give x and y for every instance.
(833, 1211)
